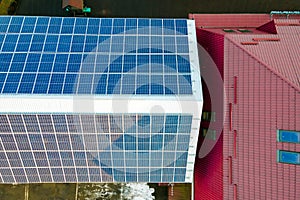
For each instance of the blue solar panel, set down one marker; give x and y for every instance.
(160, 47)
(124, 155)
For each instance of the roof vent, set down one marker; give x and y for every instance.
(249, 43)
(265, 39)
(244, 30)
(229, 30)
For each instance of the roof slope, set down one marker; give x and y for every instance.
(280, 55)
(230, 20)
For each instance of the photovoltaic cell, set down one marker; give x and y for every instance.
(54, 148)
(67, 56)
(115, 49)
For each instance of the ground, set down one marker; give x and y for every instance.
(4, 5)
(59, 191)
(157, 8)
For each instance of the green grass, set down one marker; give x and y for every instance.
(38, 191)
(182, 192)
(4, 6)
(12, 192)
(52, 191)
(59, 191)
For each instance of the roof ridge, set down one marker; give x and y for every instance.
(265, 64)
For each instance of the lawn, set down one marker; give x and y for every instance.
(181, 191)
(4, 5)
(11, 192)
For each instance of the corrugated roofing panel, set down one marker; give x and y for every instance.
(266, 102)
(280, 56)
(268, 99)
(285, 22)
(230, 20)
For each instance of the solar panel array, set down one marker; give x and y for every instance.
(66, 56)
(54, 55)
(94, 148)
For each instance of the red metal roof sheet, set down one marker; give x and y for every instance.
(265, 103)
(265, 78)
(281, 54)
(230, 20)
(235, 31)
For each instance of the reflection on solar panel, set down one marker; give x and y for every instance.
(94, 141)
(98, 100)
(43, 55)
